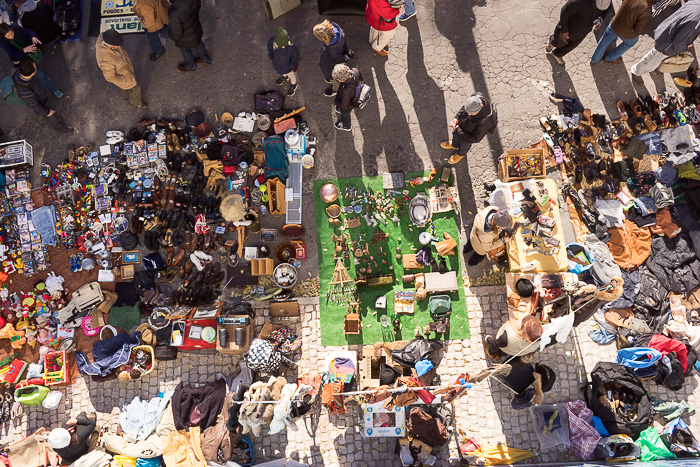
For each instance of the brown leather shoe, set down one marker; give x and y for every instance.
(454, 158)
(382, 53)
(169, 256)
(188, 266)
(447, 145)
(178, 256)
(192, 245)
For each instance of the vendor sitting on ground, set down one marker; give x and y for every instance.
(73, 439)
(489, 234)
(513, 341)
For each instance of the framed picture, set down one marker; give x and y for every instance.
(127, 272)
(179, 312)
(207, 311)
(131, 257)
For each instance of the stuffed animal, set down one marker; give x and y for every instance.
(419, 282)
(35, 370)
(17, 338)
(275, 391)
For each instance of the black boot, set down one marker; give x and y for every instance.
(467, 247)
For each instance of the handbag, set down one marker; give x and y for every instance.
(32, 450)
(262, 357)
(676, 63)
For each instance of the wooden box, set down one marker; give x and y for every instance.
(262, 266)
(277, 202)
(536, 155)
(369, 374)
(231, 348)
(409, 262)
(267, 330)
(284, 309)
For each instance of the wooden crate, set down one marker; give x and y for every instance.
(535, 153)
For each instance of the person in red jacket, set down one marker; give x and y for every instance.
(382, 17)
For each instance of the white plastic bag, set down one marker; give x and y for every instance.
(551, 426)
(52, 399)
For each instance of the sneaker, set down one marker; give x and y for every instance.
(292, 89)
(339, 126)
(327, 81)
(404, 16)
(336, 109)
(58, 94)
(155, 57)
(281, 80)
(183, 67)
(329, 92)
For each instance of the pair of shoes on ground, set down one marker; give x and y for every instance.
(454, 158)
(183, 66)
(292, 88)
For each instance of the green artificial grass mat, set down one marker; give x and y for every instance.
(403, 235)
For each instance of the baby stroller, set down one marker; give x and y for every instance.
(68, 16)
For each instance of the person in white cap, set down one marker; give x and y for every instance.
(475, 119)
(72, 440)
(486, 233)
(576, 20)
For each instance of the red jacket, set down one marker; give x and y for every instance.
(381, 16)
(666, 345)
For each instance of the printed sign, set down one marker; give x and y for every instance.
(117, 8)
(123, 24)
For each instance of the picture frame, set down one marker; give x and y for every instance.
(207, 311)
(131, 257)
(128, 272)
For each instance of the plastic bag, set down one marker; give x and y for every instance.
(551, 425)
(679, 439)
(617, 448)
(652, 446)
(52, 399)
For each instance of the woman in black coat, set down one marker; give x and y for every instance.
(577, 19)
(334, 50)
(185, 29)
(348, 79)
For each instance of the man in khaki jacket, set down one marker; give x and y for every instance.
(117, 68)
(154, 19)
(486, 233)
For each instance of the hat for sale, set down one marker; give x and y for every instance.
(128, 240)
(232, 209)
(524, 287)
(148, 337)
(531, 328)
(344, 366)
(281, 37)
(473, 105)
(112, 37)
(59, 438)
(501, 219)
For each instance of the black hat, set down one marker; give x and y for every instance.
(112, 37)
(548, 376)
(388, 374)
(129, 241)
(524, 287)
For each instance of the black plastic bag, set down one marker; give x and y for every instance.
(417, 350)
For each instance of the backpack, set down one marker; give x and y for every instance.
(426, 428)
(9, 92)
(270, 101)
(363, 93)
(609, 377)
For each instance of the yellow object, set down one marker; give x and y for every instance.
(124, 461)
(501, 454)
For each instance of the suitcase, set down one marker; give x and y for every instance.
(276, 8)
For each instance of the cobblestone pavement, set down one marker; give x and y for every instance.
(484, 413)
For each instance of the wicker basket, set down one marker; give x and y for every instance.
(148, 349)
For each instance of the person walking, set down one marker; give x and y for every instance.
(20, 43)
(117, 68)
(34, 94)
(381, 16)
(409, 10)
(154, 19)
(38, 17)
(285, 59)
(674, 35)
(576, 20)
(628, 24)
(486, 234)
(335, 50)
(185, 29)
(343, 103)
(473, 121)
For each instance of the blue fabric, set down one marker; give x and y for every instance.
(652, 140)
(276, 158)
(336, 35)
(638, 357)
(575, 267)
(188, 55)
(44, 219)
(601, 336)
(154, 462)
(645, 205)
(409, 7)
(667, 174)
(423, 366)
(46, 81)
(107, 355)
(139, 419)
(153, 39)
(600, 428)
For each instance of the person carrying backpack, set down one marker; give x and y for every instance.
(381, 15)
(345, 98)
(285, 59)
(34, 94)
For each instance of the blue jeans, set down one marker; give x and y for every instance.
(46, 81)
(608, 38)
(154, 39)
(409, 7)
(188, 55)
(458, 142)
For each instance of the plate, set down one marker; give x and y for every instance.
(328, 193)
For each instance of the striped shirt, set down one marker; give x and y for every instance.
(33, 92)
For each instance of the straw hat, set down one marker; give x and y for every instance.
(264, 122)
(232, 209)
(227, 119)
(148, 337)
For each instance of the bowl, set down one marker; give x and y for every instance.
(328, 193)
(284, 276)
(194, 117)
(333, 211)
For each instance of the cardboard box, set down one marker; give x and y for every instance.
(409, 262)
(285, 309)
(267, 330)
(231, 348)
(536, 154)
(368, 374)
(262, 266)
